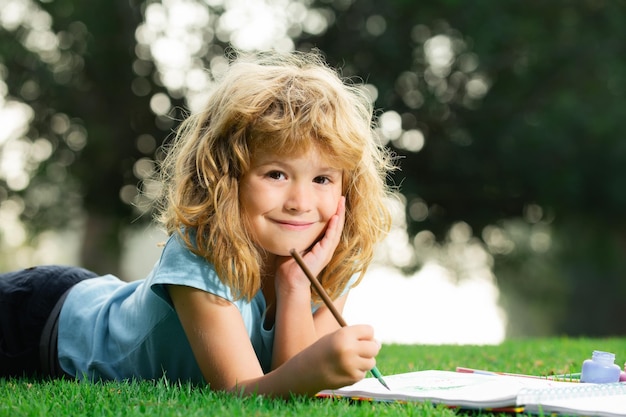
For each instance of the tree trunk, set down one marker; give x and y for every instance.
(101, 249)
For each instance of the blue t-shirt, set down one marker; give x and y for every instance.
(111, 329)
(114, 330)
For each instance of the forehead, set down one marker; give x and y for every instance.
(313, 155)
(288, 145)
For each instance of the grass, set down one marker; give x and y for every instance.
(22, 397)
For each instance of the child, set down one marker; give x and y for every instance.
(283, 156)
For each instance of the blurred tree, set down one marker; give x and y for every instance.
(99, 86)
(72, 63)
(508, 116)
(511, 121)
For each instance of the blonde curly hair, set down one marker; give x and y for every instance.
(285, 103)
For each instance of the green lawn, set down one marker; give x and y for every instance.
(538, 356)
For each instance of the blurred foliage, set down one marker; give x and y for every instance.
(536, 166)
(507, 115)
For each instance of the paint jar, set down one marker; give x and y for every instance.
(600, 369)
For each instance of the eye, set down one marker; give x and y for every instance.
(275, 175)
(322, 180)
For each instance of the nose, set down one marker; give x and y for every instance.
(299, 198)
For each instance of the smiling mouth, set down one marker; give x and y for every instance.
(293, 225)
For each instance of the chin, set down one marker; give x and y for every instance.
(285, 251)
(282, 247)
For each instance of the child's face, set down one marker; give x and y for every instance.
(288, 201)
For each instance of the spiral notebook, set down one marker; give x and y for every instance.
(598, 400)
(491, 392)
(454, 389)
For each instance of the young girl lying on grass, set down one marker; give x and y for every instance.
(283, 156)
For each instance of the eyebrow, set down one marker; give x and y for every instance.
(282, 163)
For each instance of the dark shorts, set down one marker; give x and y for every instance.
(30, 303)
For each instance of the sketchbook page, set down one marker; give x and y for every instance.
(443, 387)
(601, 400)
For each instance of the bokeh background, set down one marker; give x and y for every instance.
(509, 118)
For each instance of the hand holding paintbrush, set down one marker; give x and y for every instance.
(329, 303)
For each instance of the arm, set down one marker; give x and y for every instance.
(225, 355)
(295, 326)
(295, 329)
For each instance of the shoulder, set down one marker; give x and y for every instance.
(180, 266)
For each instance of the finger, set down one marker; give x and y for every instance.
(366, 364)
(368, 349)
(321, 253)
(362, 331)
(341, 208)
(340, 217)
(332, 235)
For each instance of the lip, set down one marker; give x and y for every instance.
(293, 225)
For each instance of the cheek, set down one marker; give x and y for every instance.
(330, 206)
(250, 197)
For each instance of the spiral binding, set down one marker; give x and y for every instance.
(537, 395)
